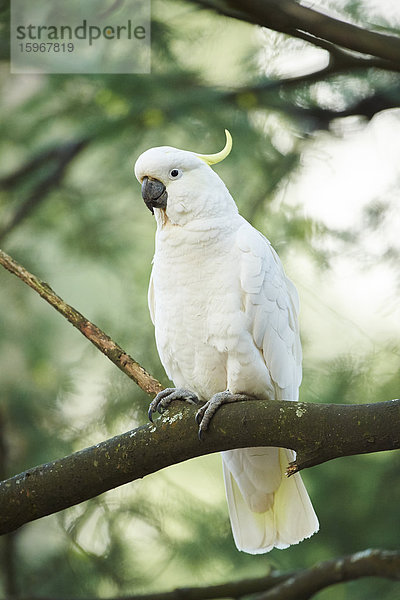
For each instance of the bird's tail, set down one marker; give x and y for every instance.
(267, 509)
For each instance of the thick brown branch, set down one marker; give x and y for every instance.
(303, 585)
(318, 432)
(369, 563)
(287, 16)
(95, 335)
(8, 562)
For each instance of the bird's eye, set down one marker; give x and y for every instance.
(175, 174)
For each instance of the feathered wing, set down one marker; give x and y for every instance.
(266, 508)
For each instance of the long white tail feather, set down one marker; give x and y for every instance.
(253, 532)
(286, 516)
(295, 518)
(257, 474)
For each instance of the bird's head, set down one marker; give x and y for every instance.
(181, 187)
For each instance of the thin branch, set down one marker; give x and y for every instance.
(369, 563)
(340, 62)
(262, 95)
(318, 432)
(95, 335)
(321, 118)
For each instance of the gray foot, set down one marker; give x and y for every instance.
(208, 410)
(164, 399)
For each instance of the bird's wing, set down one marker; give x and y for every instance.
(271, 305)
(266, 508)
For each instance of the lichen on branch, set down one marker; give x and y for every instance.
(318, 432)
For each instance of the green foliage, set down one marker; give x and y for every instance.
(88, 234)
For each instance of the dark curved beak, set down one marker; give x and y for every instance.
(154, 193)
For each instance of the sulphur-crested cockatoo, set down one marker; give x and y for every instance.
(225, 318)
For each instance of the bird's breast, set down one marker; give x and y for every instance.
(197, 309)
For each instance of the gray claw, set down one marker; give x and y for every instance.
(164, 398)
(199, 415)
(153, 407)
(205, 414)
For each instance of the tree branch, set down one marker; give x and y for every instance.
(369, 563)
(287, 16)
(231, 589)
(95, 335)
(347, 60)
(320, 118)
(318, 432)
(8, 562)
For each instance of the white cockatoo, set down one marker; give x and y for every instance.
(226, 322)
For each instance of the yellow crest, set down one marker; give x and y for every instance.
(213, 159)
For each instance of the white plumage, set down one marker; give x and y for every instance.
(226, 317)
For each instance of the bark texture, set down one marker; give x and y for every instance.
(318, 432)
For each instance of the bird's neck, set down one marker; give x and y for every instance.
(198, 233)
